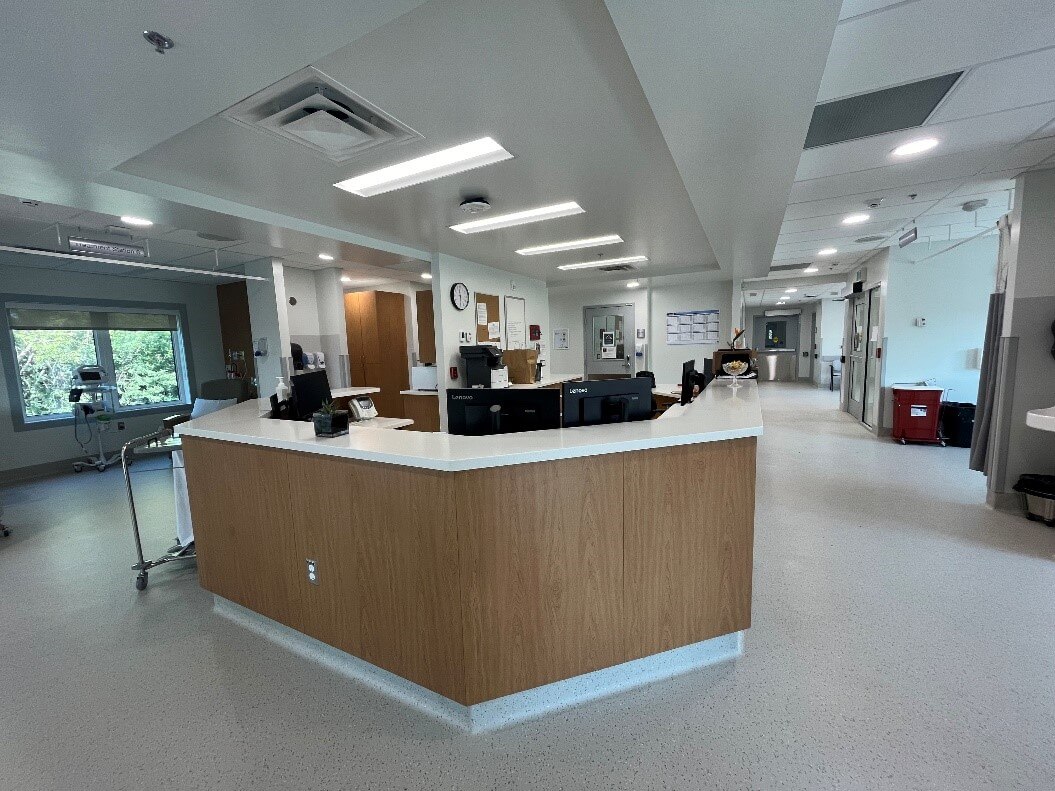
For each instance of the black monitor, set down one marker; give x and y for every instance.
(691, 378)
(607, 401)
(311, 390)
(479, 411)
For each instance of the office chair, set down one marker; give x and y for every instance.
(652, 378)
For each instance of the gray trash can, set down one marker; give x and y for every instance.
(1040, 497)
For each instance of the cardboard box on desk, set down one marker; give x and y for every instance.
(522, 364)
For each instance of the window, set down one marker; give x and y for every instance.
(142, 351)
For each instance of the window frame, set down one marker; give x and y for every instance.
(184, 364)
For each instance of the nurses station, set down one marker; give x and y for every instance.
(562, 540)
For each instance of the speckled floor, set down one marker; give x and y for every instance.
(903, 638)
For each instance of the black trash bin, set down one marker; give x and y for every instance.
(957, 423)
(1040, 497)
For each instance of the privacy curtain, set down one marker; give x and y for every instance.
(987, 382)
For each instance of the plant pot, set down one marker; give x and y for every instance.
(327, 425)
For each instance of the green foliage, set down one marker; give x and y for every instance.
(46, 359)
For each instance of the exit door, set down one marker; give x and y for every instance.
(608, 337)
(862, 359)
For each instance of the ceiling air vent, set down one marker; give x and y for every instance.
(878, 112)
(866, 239)
(787, 267)
(616, 268)
(315, 111)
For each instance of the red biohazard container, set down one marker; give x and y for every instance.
(916, 409)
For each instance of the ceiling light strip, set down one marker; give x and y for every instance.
(438, 164)
(119, 262)
(630, 259)
(575, 244)
(519, 218)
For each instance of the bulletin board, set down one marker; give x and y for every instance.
(488, 320)
(690, 327)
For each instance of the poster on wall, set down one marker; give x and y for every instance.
(516, 323)
(560, 339)
(692, 327)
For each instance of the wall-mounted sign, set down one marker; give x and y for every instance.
(908, 237)
(560, 339)
(688, 327)
(107, 249)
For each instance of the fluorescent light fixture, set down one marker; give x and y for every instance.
(519, 218)
(914, 147)
(135, 264)
(325, 257)
(630, 259)
(790, 290)
(346, 279)
(856, 219)
(139, 222)
(810, 270)
(633, 284)
(426, 275)
(438, 164)
(575, 244)
(827, 251)
(782, 303)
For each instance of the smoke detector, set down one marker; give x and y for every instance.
(874, 203)
(159, 41)
(476, 205)
(975, 205)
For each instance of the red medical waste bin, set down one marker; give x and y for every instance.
(916, 411)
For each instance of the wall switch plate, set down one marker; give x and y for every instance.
(313, 571)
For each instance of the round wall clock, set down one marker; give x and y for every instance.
(460, 296)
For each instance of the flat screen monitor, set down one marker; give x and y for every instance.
(688, 368)
(607, 401)
(311, 390)
(480, 411)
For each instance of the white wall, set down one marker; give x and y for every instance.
(446, 271)
(676, 294)
(269, 320)
(951, 291)
(42, 446)
(333, 331)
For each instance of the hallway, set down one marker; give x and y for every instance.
(903, 638)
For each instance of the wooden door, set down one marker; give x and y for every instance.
(426, 328)
(236, 330)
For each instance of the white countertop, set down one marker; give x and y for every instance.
(546, 381)
(1044, 419)
(420, 392)
(719, 413)
(348, 392)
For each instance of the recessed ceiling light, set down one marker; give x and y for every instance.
(426, 275)
(575, 244)
(790, 290)
(633, 284)
(856, 219)
(810, 270)
(827, 251)
(630, 259)
(447, 162)
(346, 279)
(781, 303)
(325, 257)
(915, 147)
(519, 218)
(139, 222)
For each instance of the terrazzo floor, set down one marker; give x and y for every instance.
(903, 638)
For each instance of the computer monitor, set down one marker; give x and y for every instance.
(311, 390)
(688, 368)
(607, 401)
(480, 411)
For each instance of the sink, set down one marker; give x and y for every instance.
(1044, 419)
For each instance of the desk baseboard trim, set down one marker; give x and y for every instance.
(500, 712)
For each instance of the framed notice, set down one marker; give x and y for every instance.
(693, 327)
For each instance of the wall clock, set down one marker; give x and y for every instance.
(460, 296)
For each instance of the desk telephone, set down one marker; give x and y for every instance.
(362, 407)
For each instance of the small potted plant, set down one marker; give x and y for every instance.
(330, 421)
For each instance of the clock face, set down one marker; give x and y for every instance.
(460, 296)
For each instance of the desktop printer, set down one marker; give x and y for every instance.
(483, 366)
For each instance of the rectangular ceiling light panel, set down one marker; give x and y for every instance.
(438, 164)
(575, 244)
(605, 262)
(519, 218)
(878, 112)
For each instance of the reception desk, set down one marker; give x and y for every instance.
(484, 577)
